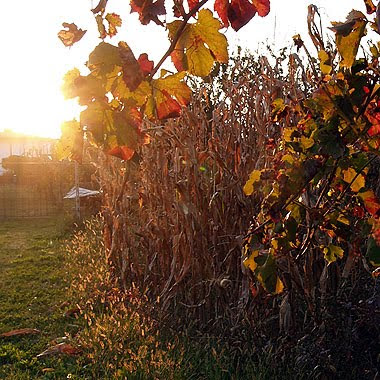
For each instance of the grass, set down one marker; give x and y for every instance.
(33, 285)
(32, 288)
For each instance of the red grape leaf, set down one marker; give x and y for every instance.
(240, 12)
(146, 65)
(169, 94)
(122, 152)
(371, 202)
(221, 8)
(192, 4)
(132, 74)
(374, 130)
(148, 10)
(71, 34)
(262, 7)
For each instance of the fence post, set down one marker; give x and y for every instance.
(77, 198)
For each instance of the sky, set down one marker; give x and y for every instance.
(33, 60)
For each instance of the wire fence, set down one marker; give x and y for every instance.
(37, 189)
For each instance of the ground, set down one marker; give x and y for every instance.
(32, 289)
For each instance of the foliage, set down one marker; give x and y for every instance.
(315, 200)
(121, 91)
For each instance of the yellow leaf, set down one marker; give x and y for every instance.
(279, 286)
(325, 62)
(254, 177)
(343, 220)
(332, 253)
(250, 262)
(349, 175)
(307, 142)
(200, 45)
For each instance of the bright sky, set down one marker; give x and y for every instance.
(33, 60)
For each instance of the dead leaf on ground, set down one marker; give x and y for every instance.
(20, 332)
(62, 348)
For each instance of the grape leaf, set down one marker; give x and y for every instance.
(103, 59)
(373, 252)
(114, 21)
(146, 65)
(71, 34)
(239, 12)
(262, 7)
(200, 45)
(168, 95)
(132, 74)
(371, 202)
(348, 36)
(332, 253)
(148, 10)
(70, 145)
(253, 177)
(349, 175)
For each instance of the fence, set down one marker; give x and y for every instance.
(36, 189)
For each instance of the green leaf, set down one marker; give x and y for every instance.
(104, 58)
(332, 253)
(266, 272)
(373, 252)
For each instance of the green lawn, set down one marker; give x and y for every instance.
(32, 288)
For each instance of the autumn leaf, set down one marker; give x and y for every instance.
(266, 273)
(192, 4)
(332, 253)
(70, 145)
(71, 34)
(262, 7)
(148, 10)
(249, 262)
(146, 65)
(325, 62)
(253, 177)
(374, 130)
(359, 182)
(114, 21)
(371, 8)
(104, 58)
(61, 348)
(20, 332)
(348, 36)
(101, 27)
(200, 45)
(122, 152)
(239, 12)
(169, 94)
(100, 7)
(371, 203)
(132, 74)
